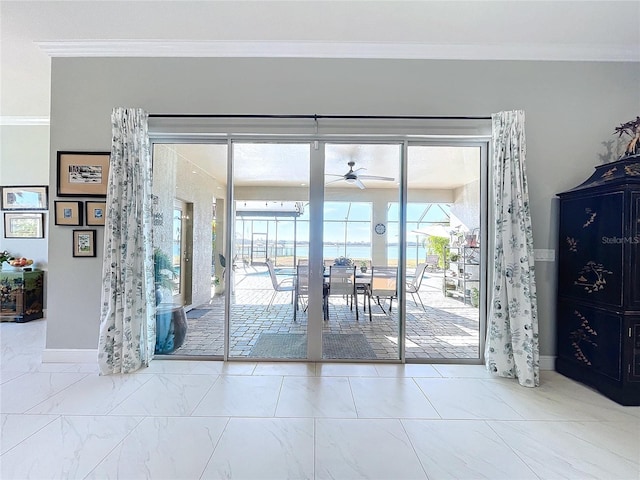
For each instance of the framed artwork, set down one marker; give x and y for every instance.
(24, 225)
(96, 212)
(83, 174)
(68, 213)
(25, 198)
(84, 243)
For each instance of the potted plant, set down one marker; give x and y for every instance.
(475, 297)
(163, 273)
(363, 266)
(5, 256)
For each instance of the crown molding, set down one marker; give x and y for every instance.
(15, 120)
(414, 51)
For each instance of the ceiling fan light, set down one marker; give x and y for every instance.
(350, 180)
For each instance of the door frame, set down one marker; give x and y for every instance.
(316, 191)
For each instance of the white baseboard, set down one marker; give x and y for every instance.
(547, 362)
(54, 355)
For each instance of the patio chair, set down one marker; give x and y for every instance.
(342, 282)
(413, 287)
(431, 261)
(302, 287)
(383, 284)
(285, 285)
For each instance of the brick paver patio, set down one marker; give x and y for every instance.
(446, 329)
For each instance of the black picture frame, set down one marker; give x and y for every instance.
(82, 174)
(69, 213)
(95, 213)
(24, 197)
(23, 225)
(84, 243)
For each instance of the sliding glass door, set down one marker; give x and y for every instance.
(360, 257)
(444, 252)
(307, 250)
(268, 314)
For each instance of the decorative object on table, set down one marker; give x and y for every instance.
(363, 266)
(83, 174)
(95, 213)
(23, 225)
(84, 243)
(343, 262)
(21, 262)
(21, 295)
(598, 306)
(632, 129)
(25, 198)
(68, 213)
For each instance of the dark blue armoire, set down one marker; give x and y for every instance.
(598, 311)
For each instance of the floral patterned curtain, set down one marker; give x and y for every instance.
(127, 320)
(512, 335)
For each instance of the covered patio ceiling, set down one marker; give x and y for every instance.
(287, 165)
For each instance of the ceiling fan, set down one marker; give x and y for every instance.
(353, 177)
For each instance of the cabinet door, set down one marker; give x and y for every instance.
(633, 284)
(590, 257)
(591, 337)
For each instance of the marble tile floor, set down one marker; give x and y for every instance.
(446, 328)
(186, 419)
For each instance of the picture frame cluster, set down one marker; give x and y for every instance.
(79, 174)
(82, 174)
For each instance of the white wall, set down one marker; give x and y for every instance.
(466, 207)
(571, 108)
(24, 160)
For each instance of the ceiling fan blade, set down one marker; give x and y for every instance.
(334, 181)
(376, 177)
(359, 184)
(333, 175)
(358, 169)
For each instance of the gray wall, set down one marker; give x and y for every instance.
(571, 108)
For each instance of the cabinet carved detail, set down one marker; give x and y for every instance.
(582, 334)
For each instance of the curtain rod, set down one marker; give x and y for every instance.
(317, 117)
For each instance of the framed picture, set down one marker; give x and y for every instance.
(25, 198)
(68, 213)
(83, 174)
(95, 213)
(84, 243)
(24, 225)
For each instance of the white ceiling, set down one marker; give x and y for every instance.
(32, 31)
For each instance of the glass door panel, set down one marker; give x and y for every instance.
(443, 259)
(189, 187)
(361, 180)
(268, 315)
